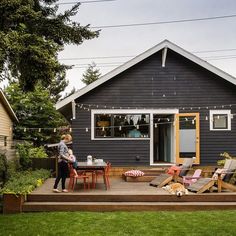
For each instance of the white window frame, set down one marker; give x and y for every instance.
(117, 112)
(220, 112)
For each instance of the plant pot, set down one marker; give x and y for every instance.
(12, 203)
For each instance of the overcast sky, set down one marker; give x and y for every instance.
(217, 34)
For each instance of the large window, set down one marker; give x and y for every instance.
(220, 120)
(121, 125)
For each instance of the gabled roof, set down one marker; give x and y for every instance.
(164, 44)
(7, 106)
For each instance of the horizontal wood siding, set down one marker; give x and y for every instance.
(123, 152)
(148, 85)
(5, 124)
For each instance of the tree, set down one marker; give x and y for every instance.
(31, 35)
(37, 115)
(91, 74)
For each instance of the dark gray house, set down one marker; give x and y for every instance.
(157, 108)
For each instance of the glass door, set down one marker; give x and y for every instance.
(187, 137)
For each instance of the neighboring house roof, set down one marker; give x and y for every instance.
(7, 106)
(164, 44)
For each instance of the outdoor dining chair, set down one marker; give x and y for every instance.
(105, 174)
(73, 179)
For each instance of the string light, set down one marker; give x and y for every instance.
(161, 121)
(181, 108)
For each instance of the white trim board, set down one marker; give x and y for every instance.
(164, 44)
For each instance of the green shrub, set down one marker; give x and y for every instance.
(3, 169)
(25, 182)
(38, 152)
(27, 151)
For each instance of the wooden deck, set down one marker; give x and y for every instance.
(124, 196)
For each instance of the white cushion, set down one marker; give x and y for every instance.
(134, 173)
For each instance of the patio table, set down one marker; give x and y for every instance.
(92, 168)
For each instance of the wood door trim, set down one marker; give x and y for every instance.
(178, 159)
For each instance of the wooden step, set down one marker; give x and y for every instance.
(126, 206)
(116, 197)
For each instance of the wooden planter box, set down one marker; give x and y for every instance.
(12, 203)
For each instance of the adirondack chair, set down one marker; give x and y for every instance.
(220, 179)
(188, 180)
(175, 176)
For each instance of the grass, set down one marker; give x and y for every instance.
(204, 223)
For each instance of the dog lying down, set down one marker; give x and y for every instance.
(176, 189)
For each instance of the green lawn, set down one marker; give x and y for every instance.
(212, 223)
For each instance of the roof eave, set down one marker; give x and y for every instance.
(8, 107)
(139, 58)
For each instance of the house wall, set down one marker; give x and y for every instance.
(180, 83)
(5, 124)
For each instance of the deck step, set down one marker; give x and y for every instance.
(86, 197)
(126, 206)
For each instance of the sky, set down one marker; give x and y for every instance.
(123, 43)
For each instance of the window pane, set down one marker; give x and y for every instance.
(220, 121)
(103, 125)
(138, 126)
(120, 126)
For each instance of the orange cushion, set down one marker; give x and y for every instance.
(173, 169)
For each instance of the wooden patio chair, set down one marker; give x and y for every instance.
(220, 179)
(73, 179)
(176, 175)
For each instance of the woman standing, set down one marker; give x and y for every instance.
(62, 163)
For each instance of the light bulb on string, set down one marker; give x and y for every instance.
(206, 118)
(54, 130)
(86, 129)
(39, 130)
(155, 125)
